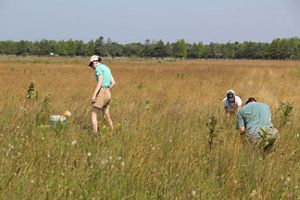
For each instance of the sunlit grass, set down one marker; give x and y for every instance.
(161, 147)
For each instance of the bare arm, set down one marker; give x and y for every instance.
(238, 105)
(98, 87)
(226, 111)
(238, 108)
(240, 124)
(112, 82)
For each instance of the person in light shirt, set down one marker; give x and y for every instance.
(254, 121)
(232, 103)
(101, 95)
(55, 119)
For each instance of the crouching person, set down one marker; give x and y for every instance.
(59, 119)
(254, 121)
(232, 104)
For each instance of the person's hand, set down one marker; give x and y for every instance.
(242, 130)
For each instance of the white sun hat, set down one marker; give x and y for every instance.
(93, 58)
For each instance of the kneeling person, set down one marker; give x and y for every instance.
(254, 120)
(59, 119)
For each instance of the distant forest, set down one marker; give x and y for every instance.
(278, 49)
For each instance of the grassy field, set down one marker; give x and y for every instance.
(160, 150)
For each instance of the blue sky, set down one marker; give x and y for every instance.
(127, 21)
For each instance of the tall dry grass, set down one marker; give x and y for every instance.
(160, 148)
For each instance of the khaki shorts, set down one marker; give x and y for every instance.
(270, 136)
(102, 99)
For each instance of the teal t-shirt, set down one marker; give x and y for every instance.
(253, 117)
(103, 70)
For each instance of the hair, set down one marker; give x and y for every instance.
(251, 99)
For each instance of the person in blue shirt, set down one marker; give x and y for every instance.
(101, 96)
(254, 121)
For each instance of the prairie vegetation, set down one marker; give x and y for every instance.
(170, 140)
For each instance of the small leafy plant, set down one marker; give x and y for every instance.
(268, 138)
(211, 125)
(32, 93)
(42, 116)
(285, 109)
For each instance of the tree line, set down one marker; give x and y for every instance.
(286, 48)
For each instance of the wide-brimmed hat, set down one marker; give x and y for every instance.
(93, 58)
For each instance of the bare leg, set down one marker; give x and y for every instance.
(106, 116)
(95, 111)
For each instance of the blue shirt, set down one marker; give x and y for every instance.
(105, 72)
(253, 117)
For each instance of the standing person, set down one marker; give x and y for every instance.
(232, 103)
(254, 121)
(101, 96)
